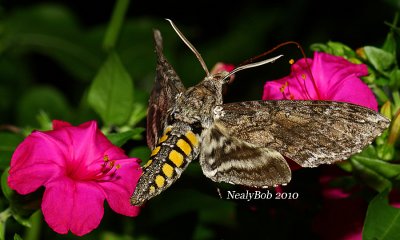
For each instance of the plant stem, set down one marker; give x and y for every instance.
(3, 218)
(395, 20)
(33, 233)
(115, 24)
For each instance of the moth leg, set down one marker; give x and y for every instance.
(224, 158)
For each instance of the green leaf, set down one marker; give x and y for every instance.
(385, 169)
(390, 43)
(396, 101)
(139, 107)
(8, 144)
(386, 152)
(373, 171)
(380, 59)
(113, 236)
(320, 47)
(111, 93)
(135, 47)
(382, 221)
(334, 48)
(44, 121)
(115, 24)
(141, 152)
(52, 30)
(39, 99)
(380, 94)
(121, 138)
(394, 76)
(139, 113)
(17, 237)
(138, 133)
(7, 191)
(346, 166)
(340, 49)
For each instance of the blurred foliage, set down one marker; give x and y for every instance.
(54, 64)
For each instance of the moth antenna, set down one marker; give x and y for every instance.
(251, 65)
(184, 39)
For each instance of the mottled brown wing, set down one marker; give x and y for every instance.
(166, 86)
(225, 158)
(308, 132)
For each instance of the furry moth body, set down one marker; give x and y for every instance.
(242, 143)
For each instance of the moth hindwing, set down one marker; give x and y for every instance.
(242, 143)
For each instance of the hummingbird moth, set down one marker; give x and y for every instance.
(245, 142)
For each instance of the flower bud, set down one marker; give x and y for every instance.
(394, 130)
(386, 109)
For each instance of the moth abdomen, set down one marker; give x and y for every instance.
(175, 149)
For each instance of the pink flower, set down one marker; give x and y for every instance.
(79, 168)
(332, 78)
(220, 67)
(342, 213)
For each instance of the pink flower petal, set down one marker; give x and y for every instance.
(57, 205)
(332, 192)
(357, 92)
(57, 124)
(219, 67)
(332, 78)
(87, 142)
(80, 140)
(74, 206)
(38, 159)
(93, 145)
(119, 191)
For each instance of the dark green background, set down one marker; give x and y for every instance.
(37, 76)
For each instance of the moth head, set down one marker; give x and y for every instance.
(219, 78)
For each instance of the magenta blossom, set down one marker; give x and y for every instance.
(79, 168)
(342, 213)
(332, 78)
(220, 67)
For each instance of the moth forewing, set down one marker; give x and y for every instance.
(166, 86)
(308, 132)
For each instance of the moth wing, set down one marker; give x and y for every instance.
(308, 132)
(167, 85)
(224, 158)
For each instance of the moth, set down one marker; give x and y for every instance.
(242, 143)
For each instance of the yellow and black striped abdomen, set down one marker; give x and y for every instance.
(178, 146)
